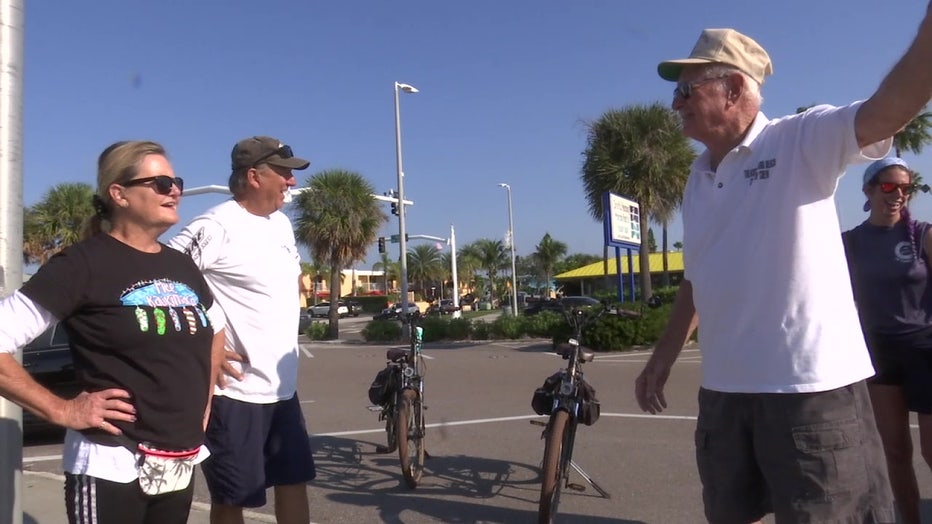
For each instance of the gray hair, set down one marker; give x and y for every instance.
(752, 90)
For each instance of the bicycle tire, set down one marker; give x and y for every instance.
(552, 472)
(391, 434)
(410, 437)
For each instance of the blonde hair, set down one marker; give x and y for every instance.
(117, 163)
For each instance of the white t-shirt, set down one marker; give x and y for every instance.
(252, 266)
(762, 249)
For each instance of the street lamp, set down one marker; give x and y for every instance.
(511, 240)
(402, 244)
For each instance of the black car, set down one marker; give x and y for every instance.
(562, 304)
(48, 359)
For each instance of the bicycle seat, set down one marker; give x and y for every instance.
(585, 354)
(396, 354)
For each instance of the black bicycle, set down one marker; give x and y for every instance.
(569, 400)
(398, 396)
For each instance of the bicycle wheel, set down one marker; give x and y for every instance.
(410, 437)
(552, 474)
(391, 434)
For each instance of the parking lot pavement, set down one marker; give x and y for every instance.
(485, 453)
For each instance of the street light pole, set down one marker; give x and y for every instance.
(402, 244)
(511, 237)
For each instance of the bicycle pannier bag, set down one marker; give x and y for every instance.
(542, 401)
(384, 386)
(589, 407)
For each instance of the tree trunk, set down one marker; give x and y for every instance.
(665, 280)
(644, 258)
(334, 300)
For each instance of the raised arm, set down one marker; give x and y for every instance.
(906, 89)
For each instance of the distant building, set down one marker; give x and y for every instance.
(590, 278)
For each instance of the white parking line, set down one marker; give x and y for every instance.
(307, 352)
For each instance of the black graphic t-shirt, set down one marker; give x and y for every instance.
(136, 321)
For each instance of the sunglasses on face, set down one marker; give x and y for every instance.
(283, 152)
(685, 89)
(890, 187)
(162, 184)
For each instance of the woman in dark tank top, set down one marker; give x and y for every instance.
(888, 256)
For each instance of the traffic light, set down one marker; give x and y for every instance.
(381, 244)
(394, 208)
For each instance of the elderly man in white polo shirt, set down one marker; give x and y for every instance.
(785, 422)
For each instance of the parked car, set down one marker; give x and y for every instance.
(559, 305)
(304, 320)
(48, 359)
(444, 307)
(355, 308)
(393, 312)
(322, 309)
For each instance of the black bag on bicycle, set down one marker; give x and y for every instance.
(542, 401)
(589, 407)
(384, 386)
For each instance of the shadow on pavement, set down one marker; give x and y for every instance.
(362, 477)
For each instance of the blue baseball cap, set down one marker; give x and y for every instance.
(876, 167)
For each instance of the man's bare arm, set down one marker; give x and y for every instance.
(905, 90)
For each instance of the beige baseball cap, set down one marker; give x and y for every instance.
(722, 46)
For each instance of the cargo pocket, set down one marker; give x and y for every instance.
(830, 462)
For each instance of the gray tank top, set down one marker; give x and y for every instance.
(889, 277)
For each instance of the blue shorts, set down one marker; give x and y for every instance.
(254, 447)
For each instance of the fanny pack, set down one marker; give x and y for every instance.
(163, 471)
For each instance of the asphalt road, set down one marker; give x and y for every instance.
(485, 454)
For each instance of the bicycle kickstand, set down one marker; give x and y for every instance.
(589, 479)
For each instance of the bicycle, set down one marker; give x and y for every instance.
(398, 395)
(569, 400)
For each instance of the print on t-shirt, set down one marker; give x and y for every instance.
(165, 298)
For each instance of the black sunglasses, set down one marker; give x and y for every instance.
(283, 152)
(162, 184)
(685, 89)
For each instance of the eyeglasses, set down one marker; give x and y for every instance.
(162, 184)
(283, 152)
(685, 89)
(889, 187)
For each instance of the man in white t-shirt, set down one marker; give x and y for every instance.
(246, 249)
(785, 422)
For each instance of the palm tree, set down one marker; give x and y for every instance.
(547, 254)
(492, 257)
(338, 220)
(424, 265)
(640, 153)
(915, 135)
(55, 222)
(390, 268)
(467, 263)
(446, 269)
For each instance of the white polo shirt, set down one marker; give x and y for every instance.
(252, 266)
(763, 251)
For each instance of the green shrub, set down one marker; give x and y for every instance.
(481, 330)
(459, 328)
(435, 328)
(507, 326)
(382, 331)
(543, 324)
(318, 330)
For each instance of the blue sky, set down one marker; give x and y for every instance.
(505, 89)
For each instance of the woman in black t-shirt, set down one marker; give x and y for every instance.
(136, 314)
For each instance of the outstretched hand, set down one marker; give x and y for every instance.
(648, 387)
(99, 410)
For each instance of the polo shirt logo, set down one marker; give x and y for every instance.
(761, 172)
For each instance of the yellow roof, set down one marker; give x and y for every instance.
(596, 269)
